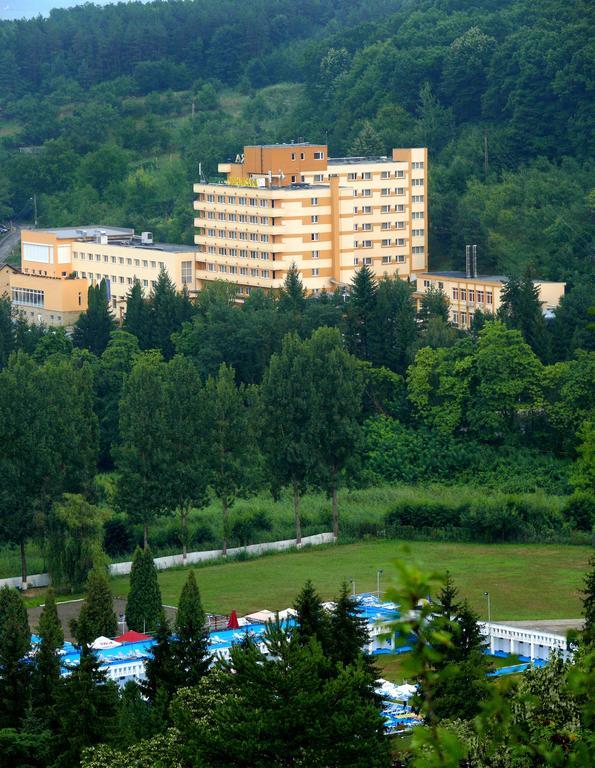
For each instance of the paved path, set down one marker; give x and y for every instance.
(555, 626)
(8, 243)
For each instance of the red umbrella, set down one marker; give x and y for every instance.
(233, 622)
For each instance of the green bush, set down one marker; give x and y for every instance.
(246, 525)
(579, 511)
(117, 537)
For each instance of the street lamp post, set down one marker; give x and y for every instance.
(487, 596)
(379, 573)
(353, 585)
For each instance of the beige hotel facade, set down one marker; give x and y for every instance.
(287, 204)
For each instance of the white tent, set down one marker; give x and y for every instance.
(101, 643)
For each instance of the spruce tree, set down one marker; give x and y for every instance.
(86, 709)
(137, 320)
(93, 328)
(164, 305)
(97, 617)
(46, 666)
(143, 608)
(520, 308)
(15, 642)
(449, 606)
(161, 668)
(312, 620)
(360, 311)
(292, 298)
(190, 646)
(349, 631)
(434, 304)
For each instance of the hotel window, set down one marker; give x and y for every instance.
(315, 236)
(400, 241)
(386, 259)
(114, 279)
(417, 165)
(315, 272)
(222, 267)
(385, 243)
(293, 155)
(355, 209)
(427, 283)
(253, 254)
(385, 191)
(254, 273)
(366, 243)
(241, 201)
(385, 225)
(400, 208)
(265, 255)
(367, 209)
(399, 190)
(385, 209)
(83, 274)
(367, 227)
(314, 201)
(220, 198)
(317, 177)
(366, 175)
(301, 156)
(488, 297)
(366, 193)
(221, 232)
(418, 249)
(231, 200)
(113, 259)
(315, 254)
(318, 155)
(186, 272)
(252, 201)
(417, 215)
(82, 256)
(367, 260)
(455, 317)
(129, 280)
(121, 279)
(355, 227)
(440, 285)
(210, 198)
(355, 193)
(400, 224)
(211, 249)
(161, 265)
(463, 294)
(400, 175)
(265, 273)
(351, 176)
(221, 216)
(29, 296)
(153, 283)
(145, 283)
(385, 174)
(145, 263)
(355, 261)
(243, 270)
(253, 237)
(417, 182)
(480, 297)
(232, 217)
(471, 294)
(418, 233)
(463, 318)
(417, 199)
(210, 267)
(253, 219)
(455, 294)
(233, 270)
(121, 259)
(106, 258)
(314, 219)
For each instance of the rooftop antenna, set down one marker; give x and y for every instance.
(474, 261)
(467, 261)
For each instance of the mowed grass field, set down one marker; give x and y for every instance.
(524, 581)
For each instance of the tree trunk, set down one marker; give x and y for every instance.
(23, 567)
(298, 517)
(146, 536)
(225, 525)
(335, 510)
(184, 512)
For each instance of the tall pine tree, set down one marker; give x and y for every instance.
(93, 328)
(190, 646)
(46, 664)
(15, 642)
(97, 617)
(138, 319)
(360, 312)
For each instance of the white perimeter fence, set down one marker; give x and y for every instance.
(173, 561)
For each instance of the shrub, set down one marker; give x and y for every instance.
(201, 534)
(117, 537)
(246, 525)
(579, 511)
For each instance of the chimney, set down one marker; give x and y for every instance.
(474, 261)
(467, 261)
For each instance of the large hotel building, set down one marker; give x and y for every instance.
(285, 204)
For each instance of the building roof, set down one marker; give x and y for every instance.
(132, 637)
(167, 247)
(66, 233)
(356, 160)
(454, 275)
(285, 144)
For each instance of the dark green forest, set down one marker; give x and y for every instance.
(116, 106)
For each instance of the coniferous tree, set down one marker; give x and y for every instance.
(164, 306)
(191, 643)
(93, 328)
(393, 326)
(138, 320)
(520, 308)
(143, 607)
(360, 311)
(46, 665)
(97, 617)
(434, 304)
(292, 299)
(15, 642)
(161, 668)
(86, 709)
(349, 631)
(312, 620)
(7, 330)
(447, 599)
(589, 604)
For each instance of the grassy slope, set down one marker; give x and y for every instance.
(525, 582)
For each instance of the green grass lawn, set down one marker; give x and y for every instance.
(524, 581)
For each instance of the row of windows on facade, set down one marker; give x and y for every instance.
(115, 279)
(462, 319)
(387, 191)
(398, 208)
(233, 270)
(117, 260)
(470, 294)
(233, 234)
(263, 202)
(314, 219)
(387, 225)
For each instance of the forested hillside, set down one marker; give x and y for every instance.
(117, 105)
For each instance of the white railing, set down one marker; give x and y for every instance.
(524, 642)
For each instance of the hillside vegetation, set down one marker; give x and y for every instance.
(120, 104)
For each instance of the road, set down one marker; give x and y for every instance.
(8, 243)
